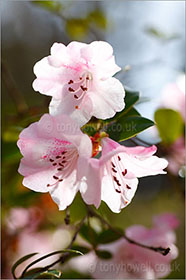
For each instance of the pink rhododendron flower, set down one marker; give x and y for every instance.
(130, 261)
(56, 159)
(173, 96)
(23, 219)
(120, 169)
(79, 79)
(176, 156)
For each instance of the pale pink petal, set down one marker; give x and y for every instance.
(38, 181)
(115, 200)
(90, 186)
(63, 194)
(68, 106)
(166, 221)
(144, 167)
(49, 79)
(58, 55)
(108, 98)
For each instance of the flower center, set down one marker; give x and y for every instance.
(80, 86)
(118, 173)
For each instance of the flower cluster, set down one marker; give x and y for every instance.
(57, 156)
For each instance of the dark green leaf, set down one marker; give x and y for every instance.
(128, 127)
(132, 112)
(50, 274)
(88, 234)
(82, 249)
(102, 254)
(71, 274)
(108, 236)
(131, 97)
(170, 125)
(21, 260)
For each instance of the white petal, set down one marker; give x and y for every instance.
(90, 186)
(108, 98)
(65, 192)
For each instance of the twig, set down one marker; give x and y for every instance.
(67, 217)
(163, 251)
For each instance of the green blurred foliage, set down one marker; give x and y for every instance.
(77, 28)
(170, 125)
(53, 6)
(159, 34)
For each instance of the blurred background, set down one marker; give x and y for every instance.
(148, 38)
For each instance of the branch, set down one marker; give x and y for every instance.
(163, 251)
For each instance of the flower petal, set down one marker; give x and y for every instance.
(63, 194)
(108, 98)
(90, 186)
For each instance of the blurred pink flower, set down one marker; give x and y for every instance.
(130, 261)
(176, 156)
(23, 219)
(79, 79)
(56, 158)
(120, 167)
(173, 96)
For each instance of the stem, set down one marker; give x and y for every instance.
(67, 217)
(163, 251)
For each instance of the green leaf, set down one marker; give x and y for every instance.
(72, 274)
(170, 125)
(21, 260)
(50, 274)
(108, 236)
(132, 112)
(103, 254)
(131, 97)
(128, 127)
(89, 234)
(84, 250)
(89, 129)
